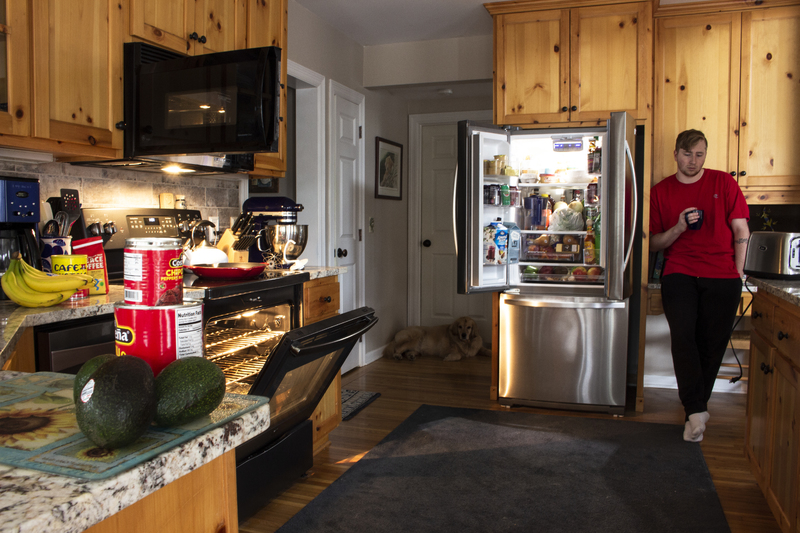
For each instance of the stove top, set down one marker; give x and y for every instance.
(212, 289)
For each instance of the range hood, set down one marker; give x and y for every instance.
(191, 165)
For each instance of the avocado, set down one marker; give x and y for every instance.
(186, 389)
(117, 403)
(86, 372)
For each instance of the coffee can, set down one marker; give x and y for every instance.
(159, 334)
(71, 264)
(153, 271)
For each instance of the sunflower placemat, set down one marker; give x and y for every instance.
(38, 429)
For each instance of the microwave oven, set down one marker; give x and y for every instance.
(208, 113)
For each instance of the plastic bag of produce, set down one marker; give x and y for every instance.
(566, 220)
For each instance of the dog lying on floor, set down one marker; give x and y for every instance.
(451, 342)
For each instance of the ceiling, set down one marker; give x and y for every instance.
(373, 22)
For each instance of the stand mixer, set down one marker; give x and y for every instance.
(280, 240)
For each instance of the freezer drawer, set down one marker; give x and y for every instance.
(563, 352)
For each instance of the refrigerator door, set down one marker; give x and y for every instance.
(482, 262)
(563, 352)
(619, 213)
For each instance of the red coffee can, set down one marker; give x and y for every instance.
(153, 271)
(159, 334)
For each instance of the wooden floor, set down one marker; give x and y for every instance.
(405, 385)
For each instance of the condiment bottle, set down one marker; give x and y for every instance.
(180, 201)
(589, 250)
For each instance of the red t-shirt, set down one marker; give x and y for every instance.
(707, 252)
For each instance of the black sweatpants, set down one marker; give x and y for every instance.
(700, 313)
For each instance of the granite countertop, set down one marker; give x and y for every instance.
(14, 319)
(38, 502)
(785, 290)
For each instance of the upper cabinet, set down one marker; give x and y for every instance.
(267, 23)
(15, 90)
(570, 65)
(732, 76)
(190, 27)
(77, 73)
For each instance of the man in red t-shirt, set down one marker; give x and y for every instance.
(701, 283)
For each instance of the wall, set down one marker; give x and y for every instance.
(216, 196)
(324, 50)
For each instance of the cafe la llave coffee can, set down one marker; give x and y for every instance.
(72, 264)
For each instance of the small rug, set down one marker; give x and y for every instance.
(354, 401)
(454, 470)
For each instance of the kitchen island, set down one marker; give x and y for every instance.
(772, 435)
(144, 498)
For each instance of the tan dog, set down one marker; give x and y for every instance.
(459, 339)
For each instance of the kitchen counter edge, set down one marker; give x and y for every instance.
(14, 319)
(39, 502)
(788, 291)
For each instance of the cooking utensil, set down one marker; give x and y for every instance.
(62, 219)
(237, 223)
(72, 205)
(227, 270)
(50, 229)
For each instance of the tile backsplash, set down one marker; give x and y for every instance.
(213, 196)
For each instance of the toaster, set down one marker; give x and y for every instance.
(773, 255)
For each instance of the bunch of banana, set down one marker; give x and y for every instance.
(29, 287)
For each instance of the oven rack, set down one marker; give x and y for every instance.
(229, 350)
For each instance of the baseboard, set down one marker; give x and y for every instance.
(374, 355)
(669, 382)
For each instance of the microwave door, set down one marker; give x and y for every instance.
(482, 266)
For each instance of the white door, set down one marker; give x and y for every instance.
(439, 301)
(347, 201)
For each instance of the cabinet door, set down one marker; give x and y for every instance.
(783, 474)
(697, 87)
(77, 72)
(267, 23)
(531, 79)
(610, 57)
(15, 89)
(770, 98)
(167, 23)
(222, 23)
(758, 395)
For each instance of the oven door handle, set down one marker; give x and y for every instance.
(328, 347)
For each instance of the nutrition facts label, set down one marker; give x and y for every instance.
(132, 267)
(189, 332)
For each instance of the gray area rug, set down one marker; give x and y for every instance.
(353, 401)
(454, 470)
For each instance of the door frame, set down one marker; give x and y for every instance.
(415, 125)
(312, 178)
(337, 89)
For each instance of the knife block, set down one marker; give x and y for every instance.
(226, 243)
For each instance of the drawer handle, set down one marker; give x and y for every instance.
(756, 314)
(326, 299)
(782, 335)
(766, 368)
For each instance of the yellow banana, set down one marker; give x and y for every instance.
(16, 294)
(16, 266)
(29, 271)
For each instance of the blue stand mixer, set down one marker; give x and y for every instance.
(279, 239)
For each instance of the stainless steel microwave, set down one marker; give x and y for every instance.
(221, 103)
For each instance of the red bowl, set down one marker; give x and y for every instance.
(227, 270)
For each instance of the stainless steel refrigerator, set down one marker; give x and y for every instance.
(548, 218)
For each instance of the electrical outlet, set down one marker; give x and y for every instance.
(371, 225)
(215, 221)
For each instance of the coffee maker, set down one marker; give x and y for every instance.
(279, 237)
(19, 222)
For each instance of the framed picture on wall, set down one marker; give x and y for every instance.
(264, 185)
(388, 169)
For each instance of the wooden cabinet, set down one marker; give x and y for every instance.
(267, 23)
(190, 26)
(321, 301)
(570, 65)
(15, 90)
(724, 74)
(77, 72)
(772, 438)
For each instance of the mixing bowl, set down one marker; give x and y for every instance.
(277, 236)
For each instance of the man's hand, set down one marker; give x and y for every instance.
(662, 241)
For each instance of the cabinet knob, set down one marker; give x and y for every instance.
(766, 368)
(743, 173)
(782, 335)
(325, 299)
(574, 108)
(756, 314)
(733, 173)
(202, 39)
(193, 36)
(565, 109)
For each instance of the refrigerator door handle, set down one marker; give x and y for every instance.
(564, 305)
(455, 224)
(635, 212)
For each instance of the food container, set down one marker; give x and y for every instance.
(548, 248)
(71, 264)
(153, 271)
(159, 334)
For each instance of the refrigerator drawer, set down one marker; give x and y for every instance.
(563, 352)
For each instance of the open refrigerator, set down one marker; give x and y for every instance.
(547, 218)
